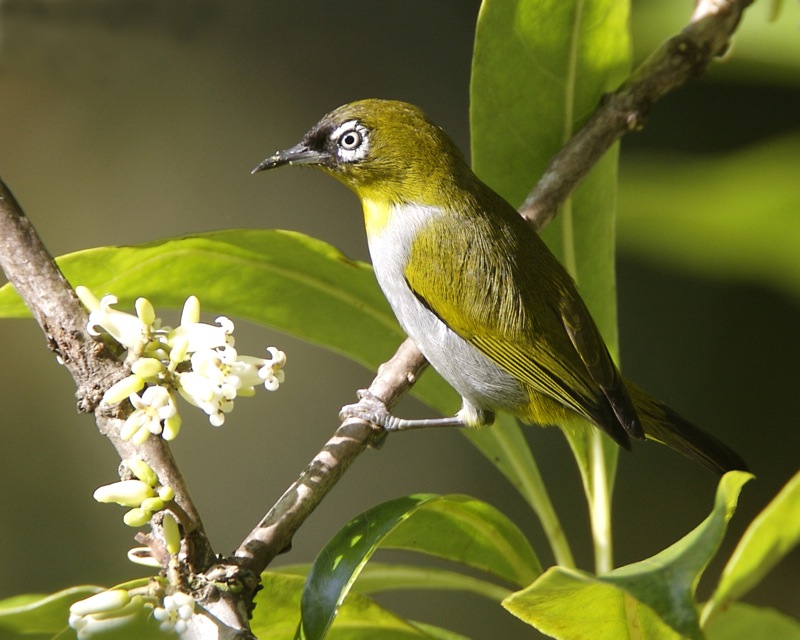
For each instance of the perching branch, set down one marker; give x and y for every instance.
(679, 59)
(274, 533)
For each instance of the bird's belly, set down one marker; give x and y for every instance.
(478, 380)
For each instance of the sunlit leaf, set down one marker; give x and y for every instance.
(468, 531)
(450, 527)
(741, 621)
(573, 605)
(768, 539)
(277, 615)
(654, 596)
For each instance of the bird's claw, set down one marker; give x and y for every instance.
(369, 408)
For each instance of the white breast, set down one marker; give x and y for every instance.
(481, 383)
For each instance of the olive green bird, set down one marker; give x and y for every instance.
(477, 290)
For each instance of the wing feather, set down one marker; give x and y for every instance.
(523, 313)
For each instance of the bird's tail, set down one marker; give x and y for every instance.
(664, 425)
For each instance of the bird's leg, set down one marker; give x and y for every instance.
(372, 409)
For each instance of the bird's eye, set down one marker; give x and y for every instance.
(350, 140)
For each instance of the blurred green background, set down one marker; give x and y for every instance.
(127, 121)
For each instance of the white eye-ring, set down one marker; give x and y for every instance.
(352, 140)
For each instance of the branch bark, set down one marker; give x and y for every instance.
(274, 533)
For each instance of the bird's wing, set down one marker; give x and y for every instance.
(589, 345)
(537, 328)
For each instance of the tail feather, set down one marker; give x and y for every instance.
(664, 425)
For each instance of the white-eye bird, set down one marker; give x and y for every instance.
(476, 289)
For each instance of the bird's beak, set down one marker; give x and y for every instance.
(298, 154)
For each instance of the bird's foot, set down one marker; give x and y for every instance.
(369, 408)
(372, 409)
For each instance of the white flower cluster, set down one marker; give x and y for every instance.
(175, 613)
(195, 359)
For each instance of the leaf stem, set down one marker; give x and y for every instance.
(600, 505)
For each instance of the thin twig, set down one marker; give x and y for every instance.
(274, 533)
(679, 59)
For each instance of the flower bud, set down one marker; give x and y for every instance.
(122, 389)
(179, 347)
(145, 311)
(147, 368)
(142, 470)
(172, 534)
(191, 311)
(152, 504)
(172, 427)
(136, 517)
(128, 493)
(110, 600)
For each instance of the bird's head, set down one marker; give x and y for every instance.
(383, 150)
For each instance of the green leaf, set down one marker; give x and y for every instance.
(468, 531)
(277, 615)
(282, 279)
(338, 564)
(653, 598)
(768, 539)
(573, 605)
(539, 69)
(287, 280)
(378, 577)
(698, 214)
(742, 621)
(41, 613)
(457, 528)
(505, 446)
